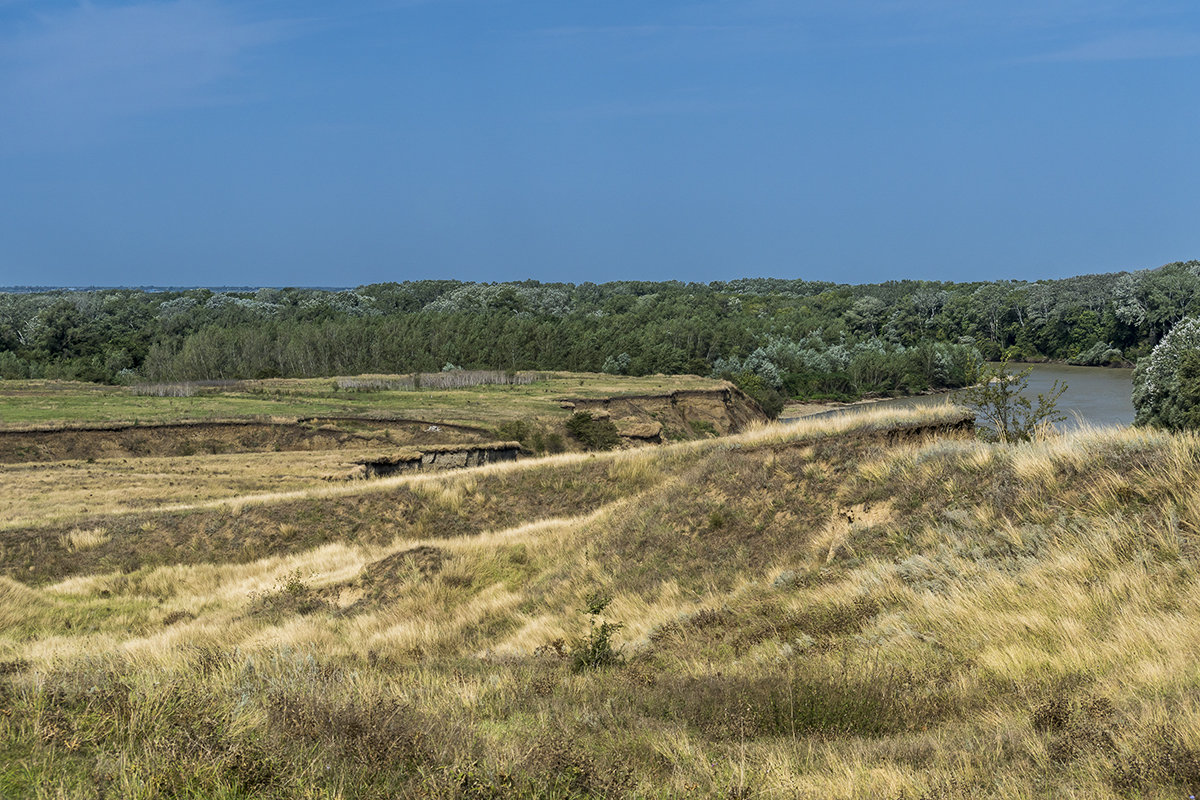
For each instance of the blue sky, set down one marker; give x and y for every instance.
(261, 142)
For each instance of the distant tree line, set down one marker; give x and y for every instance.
(775, 337)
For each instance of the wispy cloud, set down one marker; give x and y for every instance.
(1129, 46)
(633, 30)
(65, 74)
(655, 108)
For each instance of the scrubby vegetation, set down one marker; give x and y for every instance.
(595, 433)
(999, 398)
(860, 607)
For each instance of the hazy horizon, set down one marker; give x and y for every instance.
(17, 288)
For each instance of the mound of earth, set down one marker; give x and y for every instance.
(385, 579)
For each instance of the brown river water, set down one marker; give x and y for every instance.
(1094, 396)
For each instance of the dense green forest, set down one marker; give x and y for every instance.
(778, 337)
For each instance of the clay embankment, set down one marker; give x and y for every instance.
(437, 457)
(963, 426)
(237, 436)
(684, 414)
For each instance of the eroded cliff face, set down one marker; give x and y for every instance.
(640, 419)
(235, 436)
(684, 414)
(436, 458)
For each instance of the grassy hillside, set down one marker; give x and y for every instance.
(864, 607)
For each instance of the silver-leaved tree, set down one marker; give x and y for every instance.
(1166, 384)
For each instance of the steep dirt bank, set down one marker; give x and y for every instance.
(648, 418)
(683, 414)
(437, 457)
(640, 418)
(191, 438)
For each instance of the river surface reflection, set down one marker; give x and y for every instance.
(1095, 395)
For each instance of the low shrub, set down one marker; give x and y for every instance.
(595, 434)
(595, 650)
(291, 595)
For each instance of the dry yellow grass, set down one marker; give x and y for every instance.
(38, 493)
(1025, 617)
(81, 539)
(44, 493)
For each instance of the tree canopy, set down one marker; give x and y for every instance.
(1166, 386)
(778, 337)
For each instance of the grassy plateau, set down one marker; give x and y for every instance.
(40, 403)
(868, 606)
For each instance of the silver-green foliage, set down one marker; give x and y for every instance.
(1166, 384)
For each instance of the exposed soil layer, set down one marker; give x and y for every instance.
(682, 414)
(640, 419)
(440, 457)
(239, 436)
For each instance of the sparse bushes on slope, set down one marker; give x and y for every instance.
(534, 437)
(1015, 621)
(768, 397)
(291, 595)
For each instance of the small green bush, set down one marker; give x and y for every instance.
(516, 430)
(291, 595)
(543, 441)
(595, 434)
(595, 650)
(998, 399)
(768, 397)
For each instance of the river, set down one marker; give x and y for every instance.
(1094, 396)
